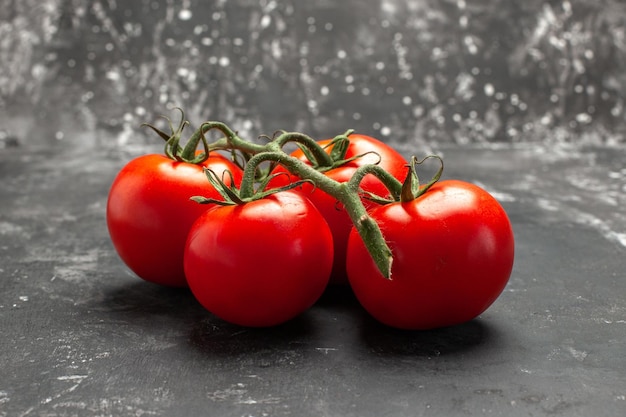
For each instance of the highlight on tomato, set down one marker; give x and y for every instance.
(149, 211)
(453, 252)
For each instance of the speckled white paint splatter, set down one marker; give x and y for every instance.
(238, 394)
(76, 266)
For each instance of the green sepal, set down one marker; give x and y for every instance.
(411, 184)
(376, 199)
(158, 131)
(173, 150)
(309, 155)
(229, 193)
(339, 163)
(206, 200)
(411, 188)
(265, 181)
(262, 194)
(340, 146)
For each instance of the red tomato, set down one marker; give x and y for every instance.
(149, 213)
(334, 213)
(260, 263)
(453, 253)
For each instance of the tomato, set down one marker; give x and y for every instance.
(149, 213)
(453, 250)
(334, 213)
(260, 263)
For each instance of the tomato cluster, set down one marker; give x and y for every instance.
(257, 238)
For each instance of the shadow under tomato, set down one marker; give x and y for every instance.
(338, 297)
(215, 337)
(140, 299)
(384, 340)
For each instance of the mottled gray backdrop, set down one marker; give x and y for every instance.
(454, 71)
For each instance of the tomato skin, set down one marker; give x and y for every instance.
(453, 253)
(334, 213)
(261, 263)
(149, 213)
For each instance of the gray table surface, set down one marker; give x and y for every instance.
(82, 336)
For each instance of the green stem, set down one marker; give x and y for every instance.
(230, 140)
(346, 193)
(322, 159)
(189, 151)
(367, 227)
(389, 181)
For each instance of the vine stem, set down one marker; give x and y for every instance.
(322, 159)
(231, 140)
(389, 181)
(347, 193)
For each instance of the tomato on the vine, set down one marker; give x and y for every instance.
(453, 250)
(149, 212)
(259, 263)
(373, 151)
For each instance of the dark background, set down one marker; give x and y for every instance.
(451, 71)
(525, 99)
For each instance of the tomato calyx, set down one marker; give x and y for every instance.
(174, 150)
(248, 191)
(336, 156)
(410, 188)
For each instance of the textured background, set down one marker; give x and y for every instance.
(451, 71)
(523, 98)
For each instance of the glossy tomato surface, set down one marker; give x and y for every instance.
(453, 250)
(149, 213)
(376, 152)
(261, 263)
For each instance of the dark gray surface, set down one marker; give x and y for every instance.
(81, 336)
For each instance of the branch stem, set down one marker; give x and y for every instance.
(346, 193)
